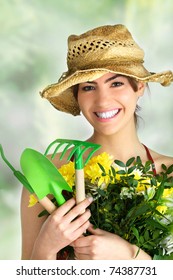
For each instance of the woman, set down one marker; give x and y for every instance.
(104, 81)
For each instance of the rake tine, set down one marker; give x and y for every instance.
(64, 151)
(73, 151)
(61, 143)
(49, 147)
(76, 147)
(90, 154)
(80, 147)
(81, 153)
(56, 149)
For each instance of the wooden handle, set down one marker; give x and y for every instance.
(80, 185)
(48, 204)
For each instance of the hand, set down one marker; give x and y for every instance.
(102, 245)
(62, 227)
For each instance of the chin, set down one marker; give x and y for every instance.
(109, 132)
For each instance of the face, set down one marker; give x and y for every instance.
(109, 102)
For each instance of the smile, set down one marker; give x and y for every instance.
(108, 114)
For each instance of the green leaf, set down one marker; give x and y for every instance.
(154, 224)
(101, 192)
(170, 169)
(138, 160)
(43, 213)
(164, 167)
(138, 211)
(153, 181)
(147, 166)
(156, 234)
(166, 257)
(121, 172)
(141, 239)
(146, 235)
(159, 191)
(131, 169)
(130, 161)
(120, 163)
(113, 171)
(136, 233)
(101, 167)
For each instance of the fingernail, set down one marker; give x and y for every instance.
(90, 198)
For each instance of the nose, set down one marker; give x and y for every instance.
(102, 98)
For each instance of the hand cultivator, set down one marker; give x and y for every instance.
(77, 152)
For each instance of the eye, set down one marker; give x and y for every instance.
(87, 88)
(117, 84)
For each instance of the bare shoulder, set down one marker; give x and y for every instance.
(160, 159)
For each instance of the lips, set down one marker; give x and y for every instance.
(107, 114)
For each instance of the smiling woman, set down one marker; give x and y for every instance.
(104, 81)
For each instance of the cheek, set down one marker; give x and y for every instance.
(83, 101)
(129, 98)
(129, 102)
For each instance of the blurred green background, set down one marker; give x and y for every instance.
(33, 46)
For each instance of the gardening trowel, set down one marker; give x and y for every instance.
(44, 178)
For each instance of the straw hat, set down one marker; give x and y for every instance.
(109, 48)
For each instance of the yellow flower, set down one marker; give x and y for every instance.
(143, 185)
(167, 197)
(143, 182)
(137, 174)
(68, 172)
(167, 192)
(32, 200)
(93, 171)
(104, 159)
(162, 209)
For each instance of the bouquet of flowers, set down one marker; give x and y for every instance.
(129, 200)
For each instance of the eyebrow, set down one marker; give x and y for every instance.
(112, 78)
(107, 80)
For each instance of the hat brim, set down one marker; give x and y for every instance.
(61, 96)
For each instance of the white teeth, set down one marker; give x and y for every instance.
(107, 115)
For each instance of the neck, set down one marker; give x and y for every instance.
(122, 145)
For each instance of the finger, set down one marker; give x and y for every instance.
(79, 232)
(81, 242)
(79, 256)
(80, 220)
(82, 250)
(78, 209)
(65, 208)
(95, 231)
